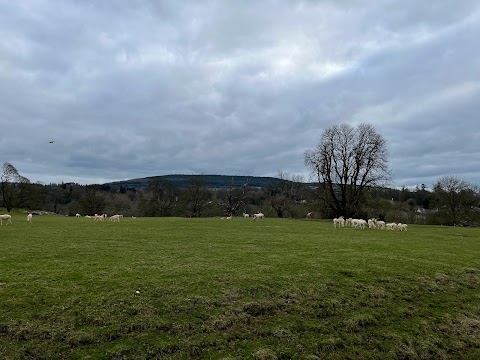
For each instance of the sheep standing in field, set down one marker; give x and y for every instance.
(77, 215)
(310, 215)
(5, 217)
(359, 223)
(391, 226)
(339, 221)
(380, 224)
(99, 217)
(402, 227)
(348, 221)
(245, 215)
(371, 224)
(29, 217)
(115, 218)
(258, 216)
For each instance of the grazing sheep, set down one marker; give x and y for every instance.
(380, 224)
(115, 218)
(77, 215)
(339, 221)
(359, 223)
(402, 227)
(99, 217)
(245, 215)
(348, 221)
(5, 217)
(391, 226)
(258, 216)
(310, 215)
(29, 217)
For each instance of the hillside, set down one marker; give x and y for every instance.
(212, 181)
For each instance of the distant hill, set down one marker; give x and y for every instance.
(212, 181)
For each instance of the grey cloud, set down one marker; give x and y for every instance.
(146, 88)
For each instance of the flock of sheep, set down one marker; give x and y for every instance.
(337, 222)
(245, 216)
(371, 223)
(7, 218)
(102, 217)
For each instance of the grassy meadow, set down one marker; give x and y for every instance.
(176, 288)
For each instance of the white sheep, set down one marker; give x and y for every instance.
(380, 224)
(99, 217)
(402, 227)
(29, 217)
(339, 221)
(5, 217)
(245, 215)
(371, 224)
(77, 215)
(258, 216)
(391, 226)
(310, 215)
(115, 218)
(359, 223)
(348, 221)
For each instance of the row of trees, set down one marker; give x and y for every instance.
(159, 198)
(350, 165)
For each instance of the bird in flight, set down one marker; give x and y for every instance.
(50, 142)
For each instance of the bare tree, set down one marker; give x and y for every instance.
(233, 199)
(93, 201)
(14, 186)
(456, 197)
(160, 197)
(197, 195)
(284, 195)
(347, 161)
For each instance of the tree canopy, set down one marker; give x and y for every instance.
(346, 161)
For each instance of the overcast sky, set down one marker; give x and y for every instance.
(130, 89)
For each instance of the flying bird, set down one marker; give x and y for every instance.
(50, 142)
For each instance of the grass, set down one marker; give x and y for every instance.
(178, 288)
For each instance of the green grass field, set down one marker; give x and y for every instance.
(178, 288)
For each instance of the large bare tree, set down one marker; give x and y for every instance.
(347, 161)
(233, 198)
(14, 187)
(159, 198)
(197, 195)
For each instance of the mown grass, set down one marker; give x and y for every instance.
(236, 289)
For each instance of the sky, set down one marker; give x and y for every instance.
(137, 88)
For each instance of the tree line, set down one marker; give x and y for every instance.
(350, 166)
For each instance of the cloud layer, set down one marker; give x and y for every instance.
(141, 88)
